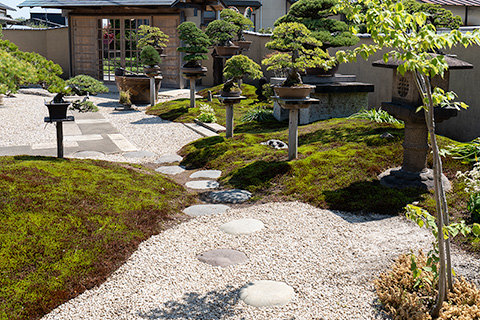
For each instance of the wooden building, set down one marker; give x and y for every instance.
(103, 34)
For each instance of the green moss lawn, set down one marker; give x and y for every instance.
(65, 225)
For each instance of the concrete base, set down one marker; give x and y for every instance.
(398, 178)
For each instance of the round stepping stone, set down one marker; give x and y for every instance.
(139, 154)
(242, 226)
(266, 293)
(230, 196)
(88, 154)
(202, 184)
(222, 257)
(205, 209)
(209, 174)
(170, 158)
(170, 169)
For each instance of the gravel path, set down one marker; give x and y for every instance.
(329, 258)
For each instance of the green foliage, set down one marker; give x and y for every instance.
(305, 51)
(83, 84)
(314, 15)
(240, 22)
(259, 114)
(65, 225)
(437, 16)
(220, 32)
(207, 113)
(149, 56)
(379, 116)
(238, 66)
(195, 42)
(152, 36)
(473, 205)
(83, 106)
(124, 97)
(468, 152)
(24, 68)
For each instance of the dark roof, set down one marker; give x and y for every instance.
(243, 3)
(466, 3)
(453, 63)
(97, 3)
(4, 6)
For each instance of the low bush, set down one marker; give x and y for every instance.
(84, 106)
(83, 84)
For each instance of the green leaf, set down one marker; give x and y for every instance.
(476, 229)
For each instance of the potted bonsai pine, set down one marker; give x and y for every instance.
(241, 24)
(314, 14)
(297, 50)
(235, 68)
(150, 58)
(152, 36)
(221, 34)
(195, 45)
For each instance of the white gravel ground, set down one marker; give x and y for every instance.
(329, 258)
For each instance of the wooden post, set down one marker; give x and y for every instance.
(293, 134)
(152, 91)
(192, 92)
(229, 120)
(59, 126)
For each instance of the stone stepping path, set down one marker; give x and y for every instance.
(139, 154)
(87, 154)
(209, 174)
(222, 257)
(202, 184)
(242, 226)
(266, 293)
(169, 158)
(205, 209)
(230, 196)
(170, 169)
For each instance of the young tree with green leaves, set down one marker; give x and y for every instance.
(411, 40)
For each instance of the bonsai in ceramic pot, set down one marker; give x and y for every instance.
(221, 34)
(152, 36)
(314, 14)
(297, 50)
(58, 106)
(150, 58)
(241, 24)
(195, 45)
(235, 68)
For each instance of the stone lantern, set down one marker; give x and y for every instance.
(405, 100)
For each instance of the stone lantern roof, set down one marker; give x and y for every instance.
(452, 61)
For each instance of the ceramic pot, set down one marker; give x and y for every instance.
(244, 45)
(227, 51)
(296, 92)
(57, 111)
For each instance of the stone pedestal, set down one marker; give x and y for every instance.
(193, 76)
(338, 96)
(414, 171)
(229, 102)
(293, 106)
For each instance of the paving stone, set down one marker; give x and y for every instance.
(210, 174)
(230, 196)
(169, 158)
(242, 226)
(222, 257)
(139, 154)
(205, 209)
(88, 154)
(170, 169)
(266, 293)
(202, 184)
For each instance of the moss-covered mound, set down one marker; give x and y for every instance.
(338, 164)
(65, 225)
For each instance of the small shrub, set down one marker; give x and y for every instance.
(84, 106)
(468, 152)
(149, 56)
(379, 116)
(473, 206)
(207, 114)
(267, 91)
(259, 114)
(83, 84)
(124, 97)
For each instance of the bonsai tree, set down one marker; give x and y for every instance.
(195, 44)
(305, 52)
(314, 14)
(438, 16)
(82, 85)
(152, 36)
(149, 56)
(221, 33)
(237, 67)
(240, 22)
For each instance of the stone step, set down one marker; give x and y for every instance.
(200, 130)
(205, 209)
(202, 184)
(266, 293)
(230, 196)
(209, 174)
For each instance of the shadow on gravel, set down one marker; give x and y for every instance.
(214, 305)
